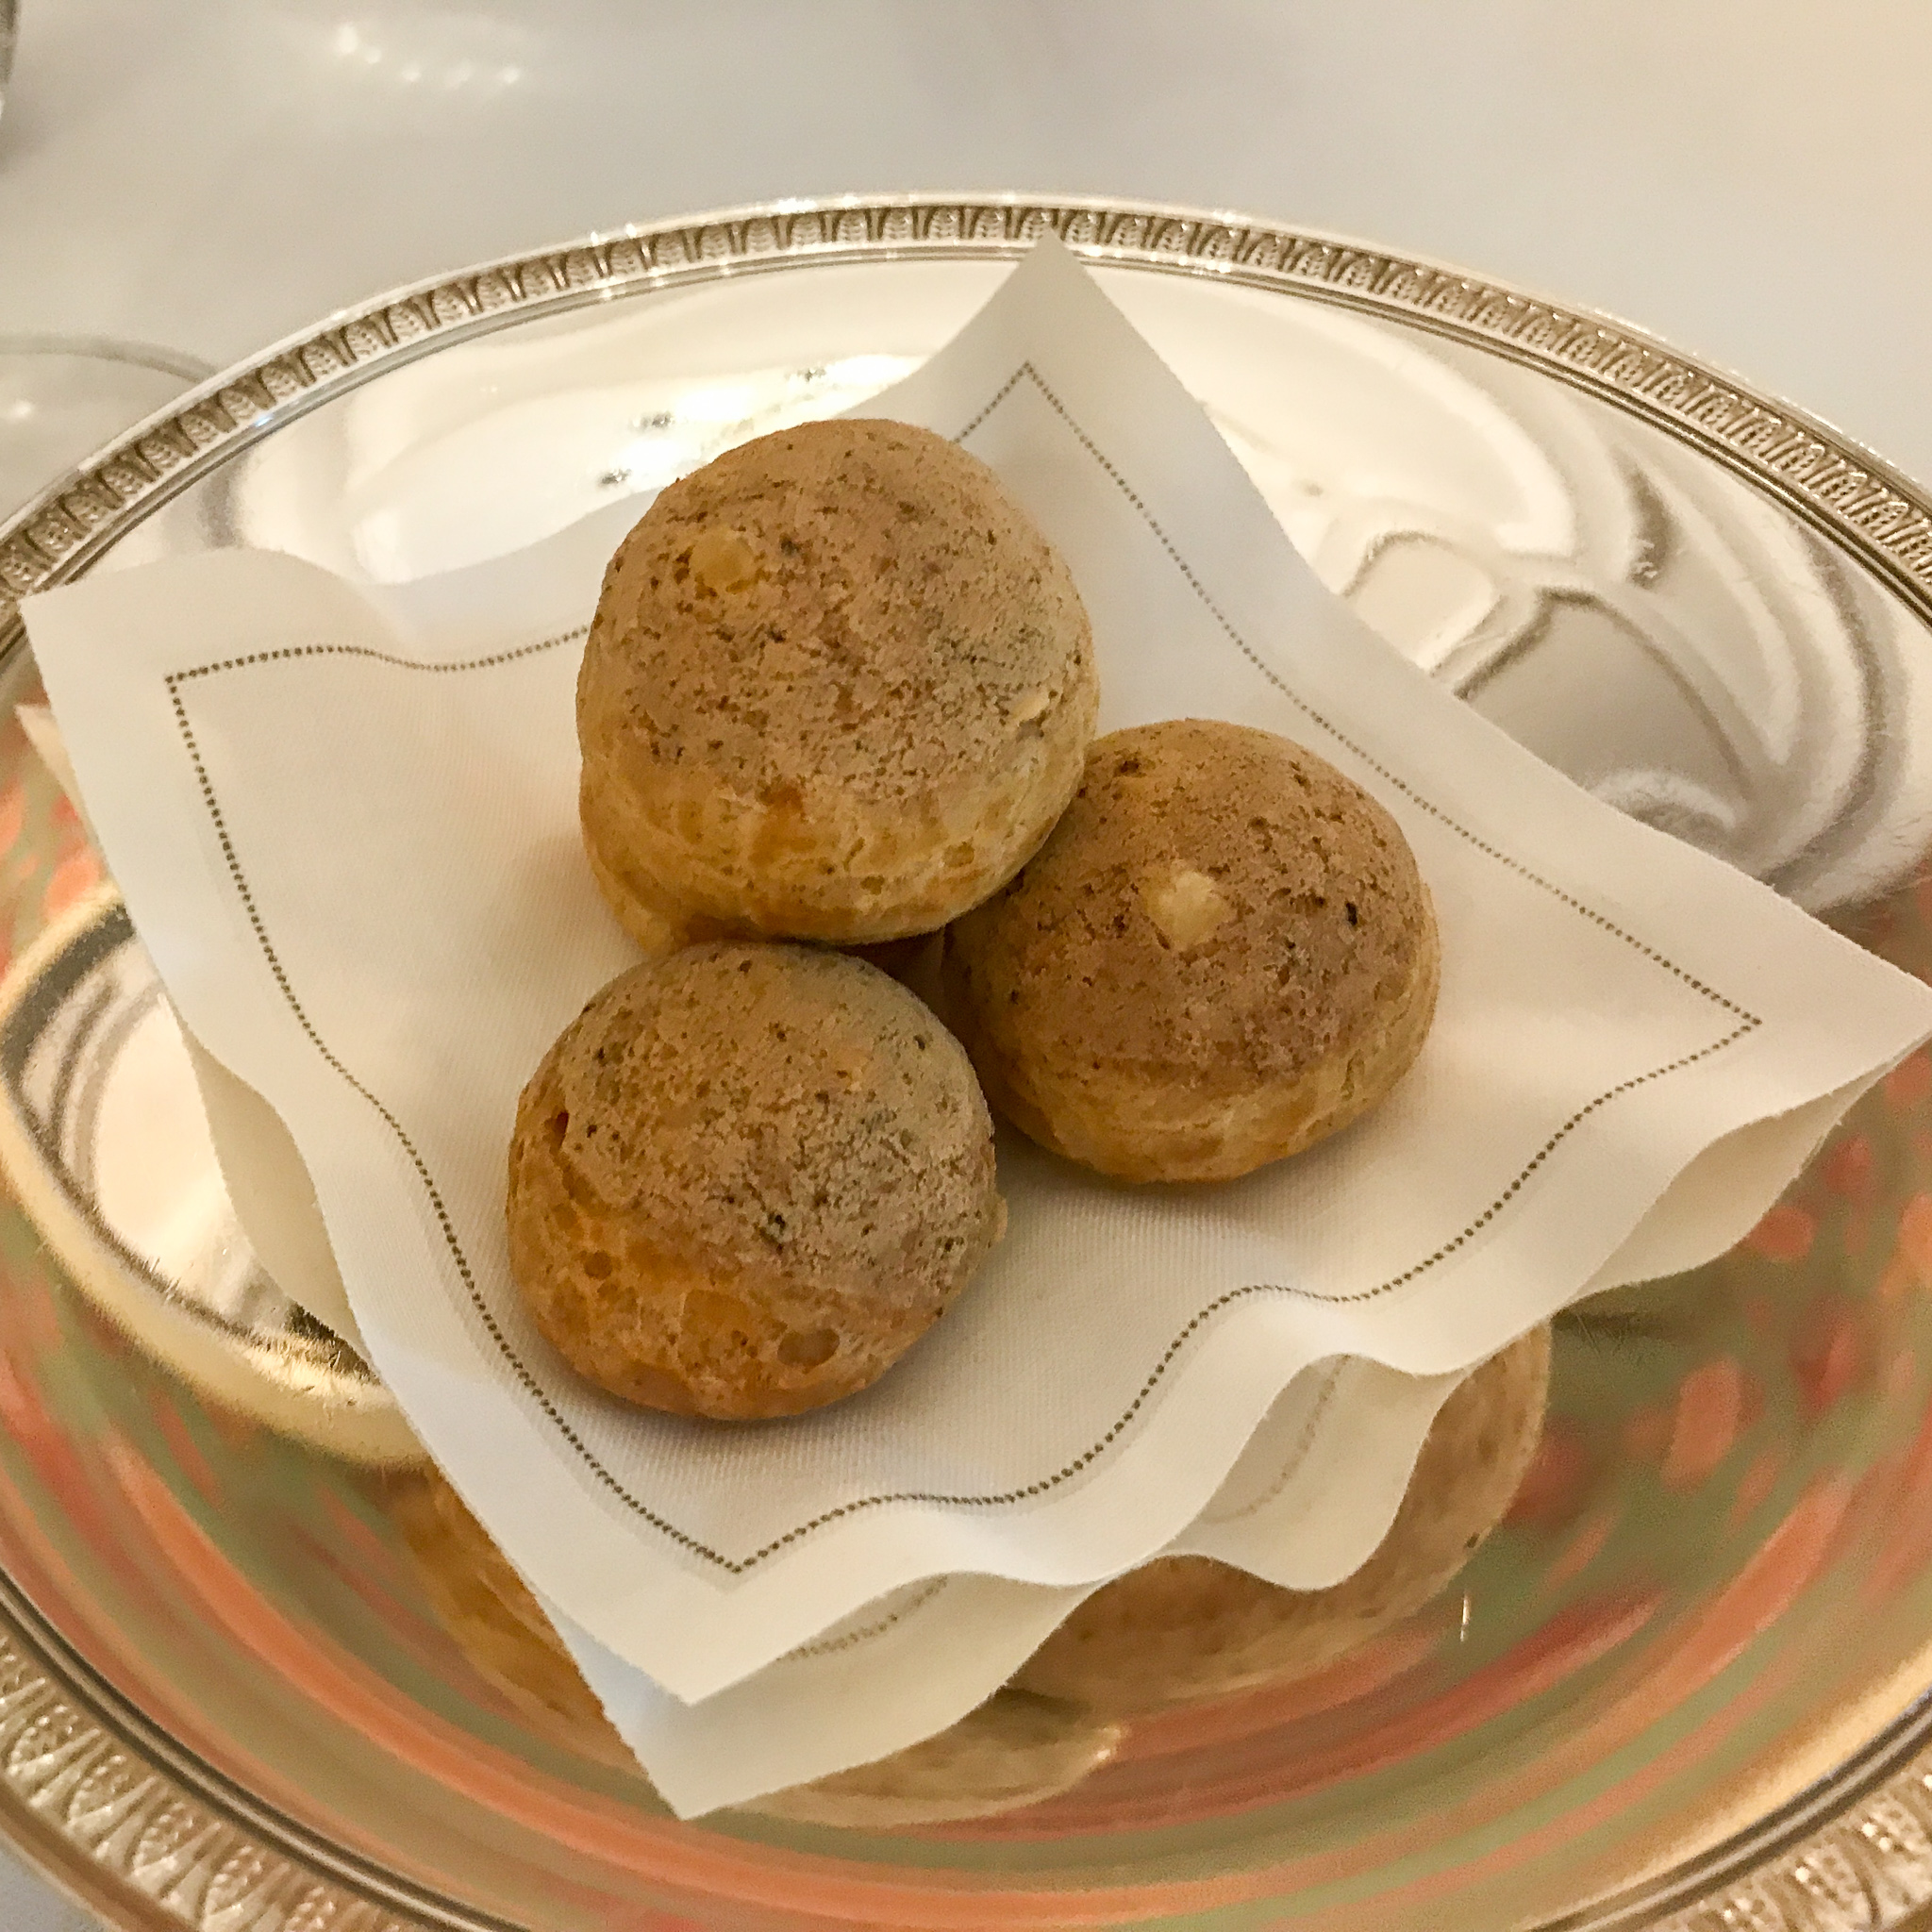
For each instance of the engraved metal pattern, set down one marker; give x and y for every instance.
(141, 1821)
(134, 1822)
(1809, 467)
(1868, 1871)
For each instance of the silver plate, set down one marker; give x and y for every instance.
(1741, 596)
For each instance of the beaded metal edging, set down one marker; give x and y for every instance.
(1820, 475)
(112, 1824)
(154, 1838)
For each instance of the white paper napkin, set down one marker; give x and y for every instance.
(344, 824)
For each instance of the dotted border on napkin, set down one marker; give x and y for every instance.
(1025, 374)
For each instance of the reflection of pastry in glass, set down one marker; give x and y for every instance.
(1016, 1749)
(838, 687)
(1222, 953)
(746, 1179)
(1183, 1628)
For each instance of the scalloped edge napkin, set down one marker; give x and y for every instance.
(343, 820)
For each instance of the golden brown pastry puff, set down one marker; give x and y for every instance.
(1015, 1749)
(838, 687)
(746, 1179)
(1223, 953)
(1182, 1628)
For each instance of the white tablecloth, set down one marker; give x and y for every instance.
(1748, 178)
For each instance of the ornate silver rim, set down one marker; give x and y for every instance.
(150, 1836)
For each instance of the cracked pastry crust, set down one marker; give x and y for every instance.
(838, 686)
(746, 1180)
(1223, 954)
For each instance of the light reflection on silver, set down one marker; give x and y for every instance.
(105, 1145)
(101, 1069)
(1648, 624)
(372, 501)
(705, 420)
(1846, 1824)
(1640, 617)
